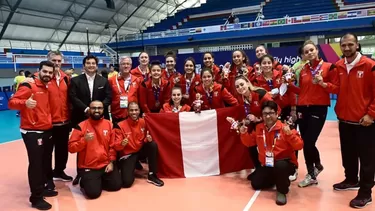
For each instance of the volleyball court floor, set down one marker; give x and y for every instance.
(231, 192)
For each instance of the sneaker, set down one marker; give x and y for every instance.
(49, 193)
(76, 180)
(280, 199)
(346, 185)
(293, 177)
(307, 181)
(41, 204)
(61, 176)
(153, 179)
(50, 185)
(359, 202)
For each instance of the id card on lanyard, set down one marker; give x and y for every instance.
(124, 98)
(270, 160)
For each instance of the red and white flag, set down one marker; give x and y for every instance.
(195, 145)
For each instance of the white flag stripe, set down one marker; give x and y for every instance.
(200, 149)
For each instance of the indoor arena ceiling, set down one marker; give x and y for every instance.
(65, 21)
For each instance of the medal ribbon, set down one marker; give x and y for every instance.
(270, 84)
(314, 72)
(156, 91)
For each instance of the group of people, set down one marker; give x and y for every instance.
(275, 98)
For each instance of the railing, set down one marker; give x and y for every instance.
(336, 16)
(35, 59)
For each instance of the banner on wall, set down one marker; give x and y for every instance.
(285, 55)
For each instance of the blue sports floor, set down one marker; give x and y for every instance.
(9, 124)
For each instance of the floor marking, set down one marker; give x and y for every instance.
(79, 198)
(8, 142)
(56, 204)
(252, 200)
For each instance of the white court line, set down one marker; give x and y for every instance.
(56, 204)
(79, 198)
(8, 142)
(252, 200)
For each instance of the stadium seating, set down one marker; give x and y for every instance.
(210, 6)
(281, 8)
(272, 9)
(346, 2)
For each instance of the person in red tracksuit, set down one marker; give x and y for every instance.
(261, 51)
(213, 95)
(209, 62)
(355, 109)
(276, 143)
(154, 92)
(125, 88)
(96, 157)
(270, 80)
(313, 102)
(142, 71)
(240, 66)
(132, 140)
(176, 103)
(170, 73)
(191, 80)
(32, 100)
(251, 98)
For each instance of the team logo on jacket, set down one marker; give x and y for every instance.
(105, 132)
(256, 103)
(216, 94)
(360, 74)
(142, 129)
(196, 83)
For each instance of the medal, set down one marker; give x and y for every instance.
(157, 103)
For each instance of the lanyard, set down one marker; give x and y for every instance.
(209, 97)
(270, 84)
(156, 91)
(314, 72)
(246, 105)
(126, 85)
(145, 75)
(188, 83)
(274, 140)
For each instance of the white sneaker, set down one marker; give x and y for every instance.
(293, 177)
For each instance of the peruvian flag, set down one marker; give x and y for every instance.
(198, 144)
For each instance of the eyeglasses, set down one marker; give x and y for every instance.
(96, 108)
(269, 113)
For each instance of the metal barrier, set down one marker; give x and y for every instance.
(36, 59)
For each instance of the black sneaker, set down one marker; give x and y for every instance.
(76, 180)
(360, 202)
(153, 179)
(61, 176)
(346, 185)
(280, 199)
(50, 185)
(41, 204)
(49, 193)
